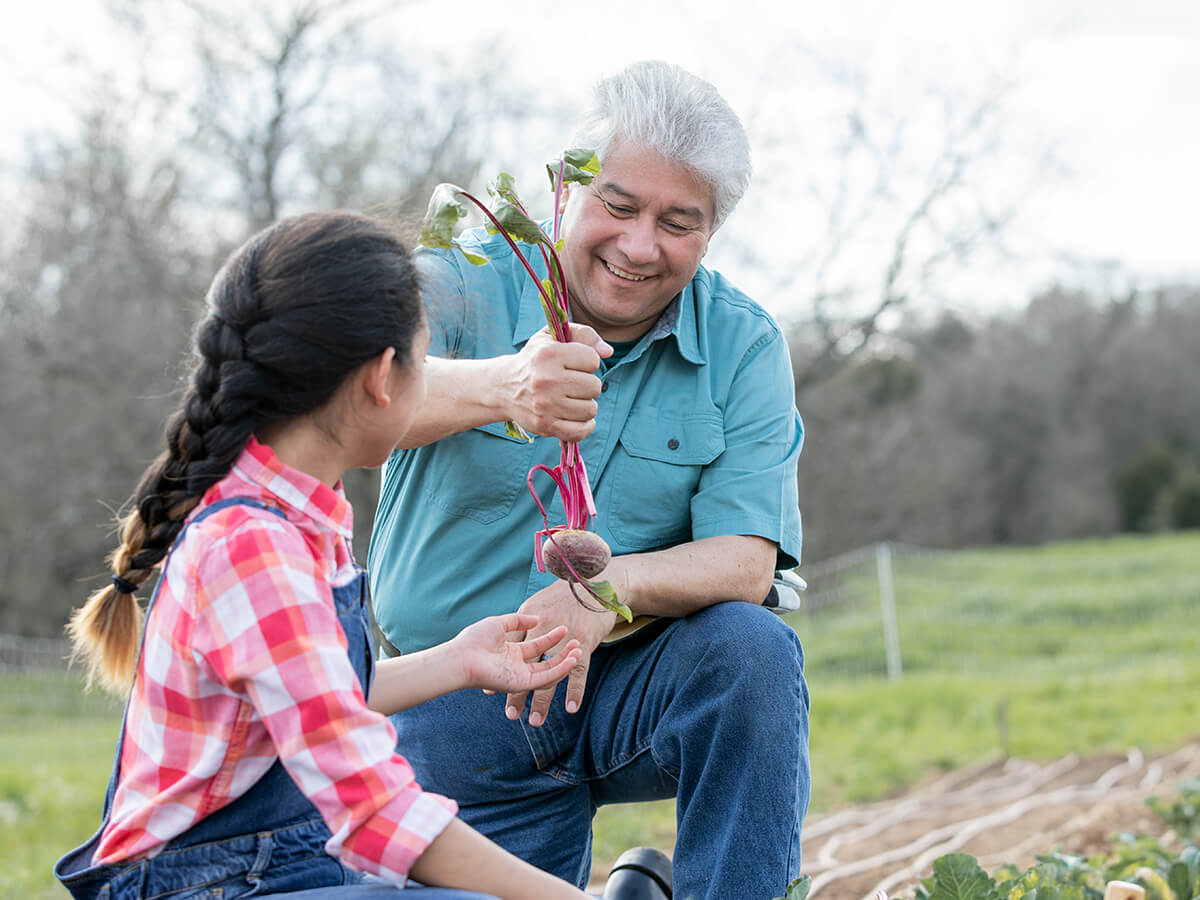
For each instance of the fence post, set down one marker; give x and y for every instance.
(887, 608)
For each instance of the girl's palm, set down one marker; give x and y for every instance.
(496, 656)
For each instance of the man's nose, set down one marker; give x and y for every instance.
(639, 240)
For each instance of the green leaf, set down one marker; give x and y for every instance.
(504, 187)
(444, 210)
(513, 430)
(607, 595)
(578, 165)
(518, 225)
(1180, 880)
(958, 876)
(437, 229)
(475, 259)
(1190, 857)
(1048, 881)
(798, 889)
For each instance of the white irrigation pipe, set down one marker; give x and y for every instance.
(952, 836)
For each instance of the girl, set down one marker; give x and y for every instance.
(251, 760)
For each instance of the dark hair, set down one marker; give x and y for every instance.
(291, 314)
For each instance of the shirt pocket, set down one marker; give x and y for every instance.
(656, 470)
(478, 473)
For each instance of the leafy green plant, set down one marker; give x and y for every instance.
(1183, 814)
(798, 889)
(1140, 859)
(958, 876)
(572, 549)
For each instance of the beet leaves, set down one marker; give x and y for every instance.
(509, 218)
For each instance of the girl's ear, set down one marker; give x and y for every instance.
(375, 374)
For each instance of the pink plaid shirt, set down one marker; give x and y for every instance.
(244, 662)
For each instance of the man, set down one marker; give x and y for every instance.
(679, 389)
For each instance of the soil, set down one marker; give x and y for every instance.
(1001, 811)
(1004, 811)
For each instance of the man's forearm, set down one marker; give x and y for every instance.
(682, 579)
(459, 394)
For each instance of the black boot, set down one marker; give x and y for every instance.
(640, 874)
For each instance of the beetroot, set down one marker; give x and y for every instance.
(573, 554)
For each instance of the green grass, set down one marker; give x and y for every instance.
(56, 750)
(1085, 647)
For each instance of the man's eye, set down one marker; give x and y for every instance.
(676, 227)
(621, 212)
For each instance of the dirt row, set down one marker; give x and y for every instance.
(1004, 811)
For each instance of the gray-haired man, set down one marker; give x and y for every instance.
(679, 389)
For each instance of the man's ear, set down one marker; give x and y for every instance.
(374, 375)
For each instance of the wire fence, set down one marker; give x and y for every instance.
(889, 610)
(33, 654)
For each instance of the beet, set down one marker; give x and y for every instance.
(586, 551)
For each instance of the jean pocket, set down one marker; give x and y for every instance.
(478, 473)
(656, 471)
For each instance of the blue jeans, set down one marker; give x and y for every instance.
(711, 709)
(372, 889)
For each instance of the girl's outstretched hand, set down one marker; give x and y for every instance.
(495, 656)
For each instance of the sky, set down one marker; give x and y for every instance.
(1097, 132)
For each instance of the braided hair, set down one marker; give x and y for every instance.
(290, 315)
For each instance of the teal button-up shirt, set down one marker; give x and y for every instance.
(697, 435)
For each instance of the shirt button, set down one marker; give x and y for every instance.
(604, 388)
(672, 444)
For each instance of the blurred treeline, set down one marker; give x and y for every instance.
(1077, 415)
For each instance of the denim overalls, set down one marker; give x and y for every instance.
(269, 840)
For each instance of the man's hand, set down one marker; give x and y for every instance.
(552, 386)
(555, 605)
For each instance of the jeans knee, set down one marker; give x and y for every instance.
(747, 644)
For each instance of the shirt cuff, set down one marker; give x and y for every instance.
(392, 854)
(788, 540)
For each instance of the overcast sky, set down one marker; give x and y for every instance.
(1111, 88)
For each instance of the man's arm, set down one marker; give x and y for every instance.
(685, 578)
(549, 388)
(749, 490)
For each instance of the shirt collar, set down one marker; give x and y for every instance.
(297, 491)
(678, 319)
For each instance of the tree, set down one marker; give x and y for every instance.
(128, 216)
(315, 104)
(100, 295)
(919, 182)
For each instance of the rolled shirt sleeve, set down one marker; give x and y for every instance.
(750, 487)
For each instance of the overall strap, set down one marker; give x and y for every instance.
(110, 793)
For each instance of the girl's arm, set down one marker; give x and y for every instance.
(461, 857)
(490, 654)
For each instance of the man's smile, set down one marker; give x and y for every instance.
(621, 273)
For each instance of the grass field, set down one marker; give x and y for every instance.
(1085, 647)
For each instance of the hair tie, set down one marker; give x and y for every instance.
(123, 586)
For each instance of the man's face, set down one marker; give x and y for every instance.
(633, 239)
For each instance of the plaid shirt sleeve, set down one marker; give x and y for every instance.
(266, 628)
